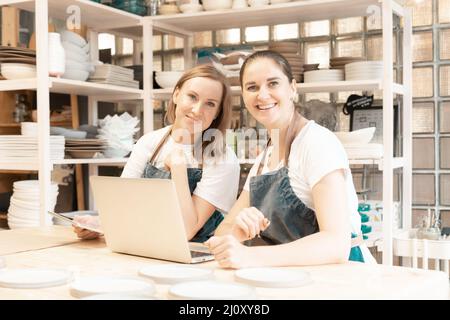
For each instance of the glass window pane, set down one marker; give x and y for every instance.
(422, 12)
(444, 150)
(316, 28)
(444, 115)
(157, 65)
(318, 52)
(230, 36)
(422, 82)
(285, 31)
(172, 42)
(107, 41)
(445, 189)
(203, 39)
(350, 48)
(374, 22)
(375, 48)
(422, 46)
(418, 216)
(444, 44)
(423, 153)
(349, 25)
(423, 189)
(423, 117)
(156, 43)
(176, 62)
(444, 79)
(444, 11)
(445, 218)
(253, 34)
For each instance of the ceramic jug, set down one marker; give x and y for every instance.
(56, 55)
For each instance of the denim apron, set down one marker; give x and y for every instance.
(290, 219)
(194, 176)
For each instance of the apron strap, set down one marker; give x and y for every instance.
(159, 146)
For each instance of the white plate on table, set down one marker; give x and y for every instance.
(211, 290)
(33, 278)
(273, 277)
(87, 286)
(170, 274)
(119, 296)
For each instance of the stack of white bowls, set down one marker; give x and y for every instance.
(29, 128)
(364, 70)
(168, 79)
(78, 65)
(324, 75)
(23, 211)
(13, 71)
(118, 131)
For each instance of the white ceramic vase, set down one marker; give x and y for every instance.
(56, 55)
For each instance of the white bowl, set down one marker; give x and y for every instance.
(72, 55)
(210, 5)
(190, 8)
(72, 64)
(73, 37)
(76, 74)
(13, 71)
(362, 136)
(168, 79)
(115, 153)
(69, 46)
(258, 3)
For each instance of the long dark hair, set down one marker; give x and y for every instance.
(285, 67)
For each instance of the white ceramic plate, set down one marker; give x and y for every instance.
(88, 286)
(33, 278)
(211, 290)
(119, 296)
(273, 277)
(170, 274)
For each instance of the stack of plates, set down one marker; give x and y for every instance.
(324, 75)
(25, 148)
(17, 55)
(84, 148)
(13, 71)
(290, 50)
(23, 210)
(211, 290)
(340, 62)
(115, 75)
(89, 286)
(364, 70)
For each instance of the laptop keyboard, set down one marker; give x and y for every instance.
(196, 254)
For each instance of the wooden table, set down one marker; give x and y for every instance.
(344, 281)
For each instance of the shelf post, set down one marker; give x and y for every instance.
(388, 127)
(407, 119)
(147, 39)
(188, 44)
(43, 110)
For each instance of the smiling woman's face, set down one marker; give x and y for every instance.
(198, 103)
(267, 93)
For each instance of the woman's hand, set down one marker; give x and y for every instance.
(88, 220)
(176, 158)
(230, 253)
(249, 223)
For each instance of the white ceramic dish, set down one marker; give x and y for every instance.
(170, 274)
(168, 79)
(33, 278)
(76, 74)
(273, 277)
(211, 5)
(119, 296)
(88, 286)
(191, 8)
(73, 37)
(12, 71)
(362, 136)
(69, 46)
(211, 290)
(71, 55)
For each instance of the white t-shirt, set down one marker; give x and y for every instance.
(316, 152)
(220, 180)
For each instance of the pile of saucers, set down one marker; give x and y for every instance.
(23, 211)
(364, 70)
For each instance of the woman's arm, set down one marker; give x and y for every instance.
(226, 226)
(330, 245)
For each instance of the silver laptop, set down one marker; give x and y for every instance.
(142, 217)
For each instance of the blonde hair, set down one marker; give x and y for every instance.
(223, 120)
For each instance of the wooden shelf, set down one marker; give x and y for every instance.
(104, 92)
(9, 125)
(289, 12)
(94, 15)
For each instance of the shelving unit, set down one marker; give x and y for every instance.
(97, 18)
(184, 25)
